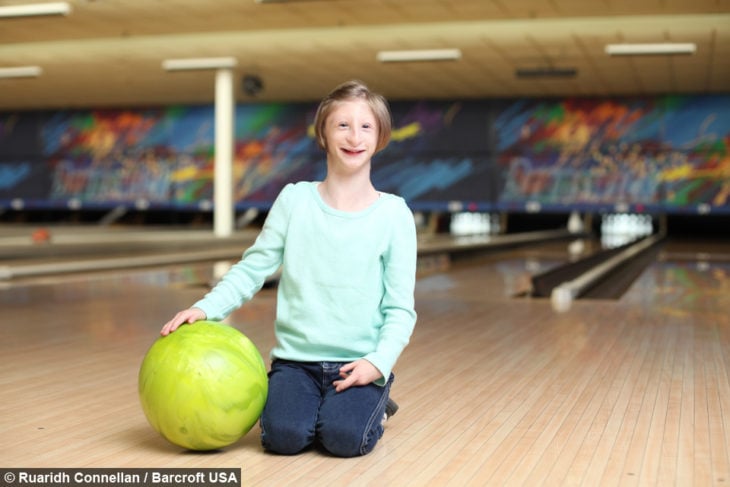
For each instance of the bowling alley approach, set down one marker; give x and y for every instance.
(365, 242)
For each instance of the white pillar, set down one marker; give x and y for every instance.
(223, 204)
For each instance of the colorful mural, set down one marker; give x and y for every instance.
(165, 156)
(439, 154)
(655, 153)
(667, 152)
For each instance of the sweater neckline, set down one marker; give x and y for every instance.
(347, 214)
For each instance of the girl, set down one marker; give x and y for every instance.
(345, 306)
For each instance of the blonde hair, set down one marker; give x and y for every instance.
(354, 90)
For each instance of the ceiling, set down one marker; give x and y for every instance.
(109, 52)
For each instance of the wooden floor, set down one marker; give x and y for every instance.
(493, 389)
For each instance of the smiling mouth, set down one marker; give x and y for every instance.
(352, 152)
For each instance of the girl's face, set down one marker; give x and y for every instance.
(351, 133)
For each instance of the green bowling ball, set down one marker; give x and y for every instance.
(203, 387)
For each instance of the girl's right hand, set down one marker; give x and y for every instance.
(190, 315)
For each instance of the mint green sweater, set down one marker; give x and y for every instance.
(347, 282)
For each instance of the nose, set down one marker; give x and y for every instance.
(354, 134)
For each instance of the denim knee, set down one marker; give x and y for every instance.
(290, 414)
(285, 438)
(343, 441)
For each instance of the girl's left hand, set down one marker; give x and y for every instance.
(357, 373)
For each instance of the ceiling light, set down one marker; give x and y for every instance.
(53, 8)
(21, 72)
(199, 63)
(418, 55)
(665, 48)
(546, 72)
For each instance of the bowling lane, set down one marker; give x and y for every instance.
(505, 273)
(684, 269)
(18, 245)
(689, 277)
(73, 250)
(72, 347)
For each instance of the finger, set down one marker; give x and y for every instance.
(181, 319)
(168, 328)
(341, 385)
(347, 368)
(174, 324)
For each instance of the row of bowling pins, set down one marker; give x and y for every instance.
(621, 228)
(627, 223)
(474, 223)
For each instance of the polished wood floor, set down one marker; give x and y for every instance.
(493, 389)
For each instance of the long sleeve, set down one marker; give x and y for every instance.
(397, 306)
(259, 261)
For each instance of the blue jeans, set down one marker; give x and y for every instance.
(303, 409)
